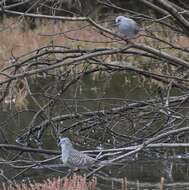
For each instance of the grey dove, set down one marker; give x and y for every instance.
(127, 26)
(73, 158)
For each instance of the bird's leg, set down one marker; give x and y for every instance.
(127, 40)
(76, 169)
(69, 173)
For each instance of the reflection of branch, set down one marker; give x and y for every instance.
(141, 147)
(144, 185)
(109, 111)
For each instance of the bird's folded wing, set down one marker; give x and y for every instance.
(78, 159)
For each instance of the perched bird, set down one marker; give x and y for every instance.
(127, 27)
(73, 158)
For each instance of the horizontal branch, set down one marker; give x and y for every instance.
(42, 16)
(28, 149)
(55, 152)
(162, 55)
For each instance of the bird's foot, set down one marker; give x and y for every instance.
(69, 173)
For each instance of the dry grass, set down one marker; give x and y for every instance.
(76, 182)
(17, 38)
(79, 183)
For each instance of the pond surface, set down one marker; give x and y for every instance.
(143, 171)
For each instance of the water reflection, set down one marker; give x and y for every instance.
(93, 93)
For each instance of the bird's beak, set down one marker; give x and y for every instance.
(59, 144)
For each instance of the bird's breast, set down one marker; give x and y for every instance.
(65, 155)
(128, 28)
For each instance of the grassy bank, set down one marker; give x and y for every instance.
(76, 182)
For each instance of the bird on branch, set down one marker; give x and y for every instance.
(75, 159)
(127, 27)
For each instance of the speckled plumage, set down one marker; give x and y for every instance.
(73, 158)
(127, 27)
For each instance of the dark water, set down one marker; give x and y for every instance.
(142, 171)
